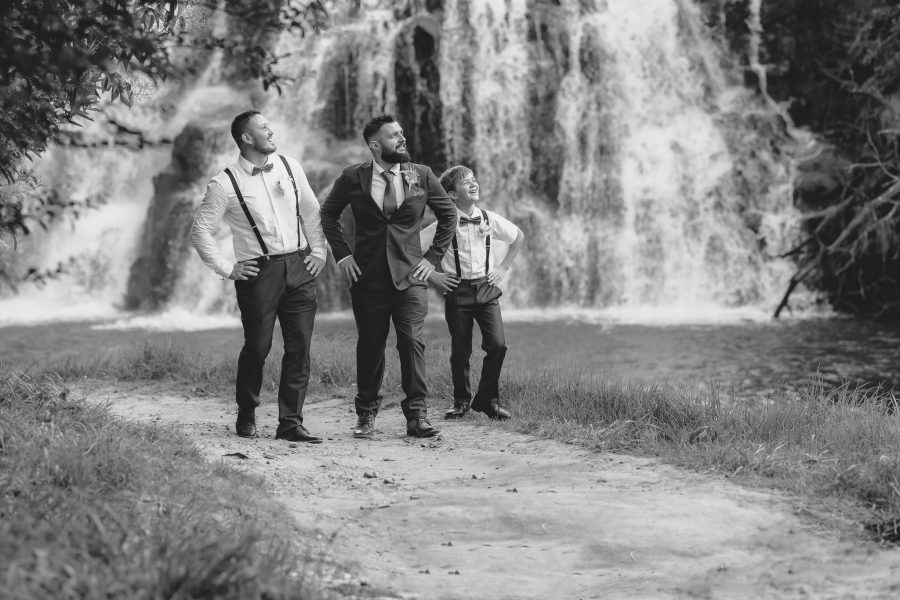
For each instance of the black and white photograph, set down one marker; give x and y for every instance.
(449, 299)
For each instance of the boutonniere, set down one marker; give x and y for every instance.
(410, 176)
(281, 185)
(484, 229)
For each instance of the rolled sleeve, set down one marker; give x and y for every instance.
(502, 229)
(207, 220)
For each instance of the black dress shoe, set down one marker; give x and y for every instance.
(365, 426)
(245, 426)
(420, 427)
(460, 408)
(298, 434)
(493, 410)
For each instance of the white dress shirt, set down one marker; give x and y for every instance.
(471, 238)
(270, 198)
(379, 185)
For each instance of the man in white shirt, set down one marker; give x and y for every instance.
(265, 202)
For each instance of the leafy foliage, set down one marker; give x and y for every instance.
(60, 58)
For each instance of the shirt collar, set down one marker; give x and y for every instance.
(378, 169)
(475, 213)
(246, 164)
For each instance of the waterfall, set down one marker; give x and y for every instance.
(644, 176)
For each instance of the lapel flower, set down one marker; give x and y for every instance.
(410, 175)
(484, 229)
(281, 186)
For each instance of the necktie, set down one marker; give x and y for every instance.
(267, 168)
(472, 220)
(390, 194)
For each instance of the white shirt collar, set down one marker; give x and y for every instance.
(246, 164)
(476, 212)
(395, 168)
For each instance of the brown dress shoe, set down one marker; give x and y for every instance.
(420, 427)
(245, 426)
(298, 434)
(365, 426)
(493, 410)
(460, 408)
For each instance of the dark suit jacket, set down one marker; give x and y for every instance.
(378, 238)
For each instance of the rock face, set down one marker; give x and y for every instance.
(641, 170)
(163, 248)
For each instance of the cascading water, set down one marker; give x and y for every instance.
(607, 130)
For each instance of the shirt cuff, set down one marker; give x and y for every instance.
(224, 268)
(345, 258)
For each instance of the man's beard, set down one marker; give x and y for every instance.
(264, 147)
(394, 157)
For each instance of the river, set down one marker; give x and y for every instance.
(745, 357)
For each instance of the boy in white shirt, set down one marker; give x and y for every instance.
(469, 279)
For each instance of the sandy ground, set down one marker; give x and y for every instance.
(483, 513)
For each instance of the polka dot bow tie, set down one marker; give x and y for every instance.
(473, 220)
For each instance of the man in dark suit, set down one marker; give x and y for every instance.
(386, 269)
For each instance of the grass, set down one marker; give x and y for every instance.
(95, 507)
(333, 366)
(821, 443)
(817, 442)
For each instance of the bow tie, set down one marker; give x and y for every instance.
(472, 220)
(267, 168)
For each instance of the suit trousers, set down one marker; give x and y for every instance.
(374, 309)
(468, 304)
(286, 290)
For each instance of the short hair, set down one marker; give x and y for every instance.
(376, 123)
(454, 175)
(239, 125)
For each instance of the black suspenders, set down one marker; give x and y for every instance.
(243, 204)
(247, 212)
(487, 249)
(296, 195)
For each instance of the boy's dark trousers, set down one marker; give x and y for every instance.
(283, 288)
(475, 301)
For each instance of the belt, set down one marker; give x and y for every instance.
(475, 281)
(284, 256)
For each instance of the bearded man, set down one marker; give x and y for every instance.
(280, 248)
(386, 269)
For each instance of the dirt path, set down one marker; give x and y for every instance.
(482, 513)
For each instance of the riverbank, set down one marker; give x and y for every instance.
(831, 454)
(486, 512)
(834, 444)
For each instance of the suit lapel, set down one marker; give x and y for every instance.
(407, 194)
(365, 178)
(365, 184)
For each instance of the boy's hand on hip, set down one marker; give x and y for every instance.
(497, 275)
(243, 271)
(314, 265)
(423, 270)
(444, 281)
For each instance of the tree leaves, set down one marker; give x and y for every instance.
(58, 57)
